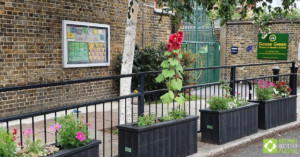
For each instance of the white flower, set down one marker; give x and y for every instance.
(275, 91)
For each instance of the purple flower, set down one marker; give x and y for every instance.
(28, 132)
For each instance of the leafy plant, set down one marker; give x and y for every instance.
(264, 90)
(188, 60)
(71, 132)
(281, 89)
(172, 71)
(145, 120)
(226, 101)
(8, 146)
(147, 59)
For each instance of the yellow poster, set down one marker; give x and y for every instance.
(70, 35)
(95, 31)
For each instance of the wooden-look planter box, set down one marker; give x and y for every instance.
(275, 112)
(89, 150)
(220, 127)
(176, 138)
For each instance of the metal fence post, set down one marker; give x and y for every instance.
(142, 95)
(275, 72)
(293, 78)
(232, 80)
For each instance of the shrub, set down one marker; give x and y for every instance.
(226, 101)
(147, 59)
(281, 89)
(8, 145)
(264, 90)
(71, 132)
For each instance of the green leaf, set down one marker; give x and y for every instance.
(180, 100)
(171, 94)
(180, 76)
(179, 55)
(173, 62)
(168, 73)
(159, 78)
(167, 53)
(179, 68)
(166, 98)
(165, 64)
(176, 84)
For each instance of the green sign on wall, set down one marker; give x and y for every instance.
(274, 46)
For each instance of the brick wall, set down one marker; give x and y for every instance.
(242, 34)
(30, 49)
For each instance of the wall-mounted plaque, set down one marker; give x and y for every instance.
(85, 44)
(274, 46)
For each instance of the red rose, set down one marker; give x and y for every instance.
(169, 47)
(15, 132)
(176, 46)
(289, 89)
(283, 83)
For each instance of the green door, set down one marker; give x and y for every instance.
(199, 38)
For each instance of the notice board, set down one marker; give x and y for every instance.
(274, 46)
(85, 44)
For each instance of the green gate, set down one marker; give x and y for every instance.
(199, 38)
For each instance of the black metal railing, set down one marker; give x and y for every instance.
(105, 113)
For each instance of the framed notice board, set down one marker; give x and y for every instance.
(274, 46)
(85, 44)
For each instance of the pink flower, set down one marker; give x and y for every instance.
(261, 86)
(55, 127)
(80, 136)
(260, 81)
(266, 83)
(88, 124)
(272, 84)
(28, 132)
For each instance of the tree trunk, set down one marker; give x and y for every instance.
(127, 62)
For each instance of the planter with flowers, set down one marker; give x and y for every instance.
(72, 138)
(228, 118)
(174, 135)
(277, 106)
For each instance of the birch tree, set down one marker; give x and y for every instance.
(127, 60)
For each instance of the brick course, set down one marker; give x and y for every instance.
(30, 49)
(242, 34)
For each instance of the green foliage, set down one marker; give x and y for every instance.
(7, 145)
(174, 114)
(147, 59)
(218, 103)
(145, 120)
(264, 93)
(226, 101)
(66, 136)
(188, 60)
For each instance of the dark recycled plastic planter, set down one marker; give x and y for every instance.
(89, 150)
(220, 127)
(275, 112)
(176, 138)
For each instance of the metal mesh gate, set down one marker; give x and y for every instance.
(199, 38)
